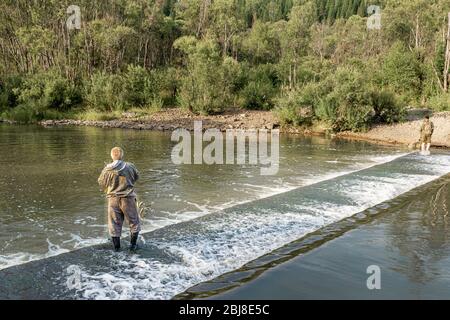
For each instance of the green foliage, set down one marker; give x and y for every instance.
(350, 91)
(357, 105)
(207, 56)
(345, 99)
(402, 71)
(439, 57)
(96, 115)
(295, 107)
(44, 95)
(48, 90)
(262, 44)
(261, 87)
(205, 87)
(257, 95)
(168, 82)
(440, 102)
(27, 114)
(104, 92)
(140, 87)
(386, 107)
(330, 10)
(9, 92)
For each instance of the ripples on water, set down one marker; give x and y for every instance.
(53, 205)
(205, 248)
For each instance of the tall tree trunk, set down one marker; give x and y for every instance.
(290, 76)
(203, 16)
(447, 57)
(417, 32)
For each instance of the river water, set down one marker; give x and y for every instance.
(51, 204)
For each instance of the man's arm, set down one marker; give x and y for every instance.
(102, 180)
(136, 173)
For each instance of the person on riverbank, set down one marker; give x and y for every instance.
(426, 131)
(117, 180)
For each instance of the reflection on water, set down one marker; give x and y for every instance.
(421, 234)
(51, 203)
(407, 237)
(176, 257)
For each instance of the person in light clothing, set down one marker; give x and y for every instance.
(117, 180)
(426, 132)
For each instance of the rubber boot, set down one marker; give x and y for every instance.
(116, 243)
(133, 241)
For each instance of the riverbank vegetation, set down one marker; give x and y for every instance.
(305, 60)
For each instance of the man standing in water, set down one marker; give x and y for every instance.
(426, 131)
(117, 181)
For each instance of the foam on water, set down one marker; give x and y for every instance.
(261, 192)
(228, 241)
(10, 260)
(170, 218)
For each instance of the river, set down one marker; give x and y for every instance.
(203, 220)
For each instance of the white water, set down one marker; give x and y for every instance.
(229, 241)
(170, 218)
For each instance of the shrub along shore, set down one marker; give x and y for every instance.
(405, 134)
(305, 61)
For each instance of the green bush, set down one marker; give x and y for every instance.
(205, 87)
(104, 92)
(95, 115)
(45, 95)
(347, 99)
(8, 92)
(48, 90)
(258, 96)
(25, 114)
(20, 114)
(440, 102)
(355, 117)
(137, 86)
(326, 108)
(295, 108)
(402, 71)
(141, 87)
(261, 88)
(386, 106)
(168, 85)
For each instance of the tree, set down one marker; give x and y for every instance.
(295, 39)
(225, 23)
(261, 45)
(402, 71)
(205, 88)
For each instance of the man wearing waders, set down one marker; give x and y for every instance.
(117, 181)
(426, 131)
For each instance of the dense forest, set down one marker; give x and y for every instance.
(304, 59)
